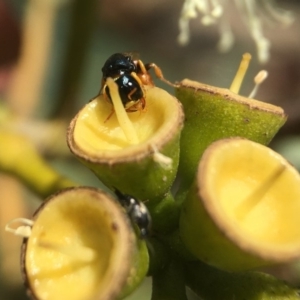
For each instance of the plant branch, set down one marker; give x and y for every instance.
(22, 160)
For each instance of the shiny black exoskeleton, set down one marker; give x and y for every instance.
(131, 76)
(127, 63)
(123, 69)
(130, 91)
(137, 211)
(117, 65)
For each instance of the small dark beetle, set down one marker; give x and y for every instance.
(131, 75)
(137, 211)
(127, 63)
(130, 91)
(117, 65)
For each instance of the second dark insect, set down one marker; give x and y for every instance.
(137, 211)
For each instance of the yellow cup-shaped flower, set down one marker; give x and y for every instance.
(140, 156)
(243, 209)
(82, 246)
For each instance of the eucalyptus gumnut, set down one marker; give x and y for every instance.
(135, 152)
(213, 113)
(242, 211)
(81, 245)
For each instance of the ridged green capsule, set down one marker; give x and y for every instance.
(143, 165)
(82, 246)
(242, 211)
(213, 113)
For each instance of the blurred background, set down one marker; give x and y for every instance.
(51, 55)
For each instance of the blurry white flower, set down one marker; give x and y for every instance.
(252, 12)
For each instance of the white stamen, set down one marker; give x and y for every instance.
(201, 5)
(255, 26)
(261, 76)
(217, 10)
(226, 40)
(280, 15)
(207, 20)
(258, 80)
(212, 11)
(263, 49)
(164, 161)
(23, 230)
(184, 34)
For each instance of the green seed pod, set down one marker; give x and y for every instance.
(242, 211)
(213, 113)
(82, 246)
(212, 284)
(138, 152)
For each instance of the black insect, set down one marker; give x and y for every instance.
(131, 75)
(117, 65)
(137, 211)
(123, 69)
(131, 92)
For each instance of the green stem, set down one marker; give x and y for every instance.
(159, 256)
(22, 160)
(165, 214)
(182, 192)
(173, 241)
(169, 284)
